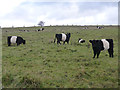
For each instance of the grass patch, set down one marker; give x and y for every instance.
(44, 64)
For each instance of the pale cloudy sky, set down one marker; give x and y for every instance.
(58, 12)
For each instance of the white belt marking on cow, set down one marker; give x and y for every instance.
(13, 39)
(63, 37)
(80, 40)
(105, 44)
(40, 28)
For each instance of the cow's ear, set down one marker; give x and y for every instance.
(90, 41)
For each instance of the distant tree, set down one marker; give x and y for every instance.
(41, 23)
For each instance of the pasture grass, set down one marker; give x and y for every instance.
(44, 64)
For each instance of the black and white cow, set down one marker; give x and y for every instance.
(62, 37)
(15, 39)
(81, 40)
(100, 27)
(103, 44)
(41, 29)
(85, 27)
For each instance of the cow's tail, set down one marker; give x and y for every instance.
(55, 39)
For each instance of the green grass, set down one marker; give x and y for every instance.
(41, 63)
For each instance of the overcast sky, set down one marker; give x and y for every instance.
(54, 12)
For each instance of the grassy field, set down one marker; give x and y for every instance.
(44, 64)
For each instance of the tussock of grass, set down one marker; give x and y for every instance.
(30, 83)
(7, 79)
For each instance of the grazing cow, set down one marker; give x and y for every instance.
(15, 39)
(41, 29)
(103, 44)
(81, 40)
(100, 27)
(38, 29)
(62, 37)
(85, 27)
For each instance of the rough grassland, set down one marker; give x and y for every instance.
(42, 64)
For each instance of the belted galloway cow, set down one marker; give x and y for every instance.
(62, 37)
(14, 40)
(103, 44)
(81, 40)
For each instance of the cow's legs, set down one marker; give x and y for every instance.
(9, 43)
(58, 42)
(18, 44)
(63, 42)
(98, 53)
(110, 51)
(67, 42)
(94, 54)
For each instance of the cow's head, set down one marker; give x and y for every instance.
(24, 41)
(68, 34)
(90, 41)
(79, 39)
(94, 42)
